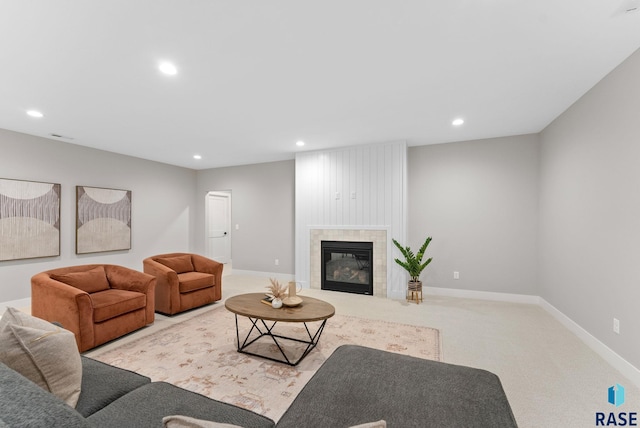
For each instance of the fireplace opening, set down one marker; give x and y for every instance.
(347, 266)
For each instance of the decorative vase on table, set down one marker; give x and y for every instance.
(277, 291)
(292, 298)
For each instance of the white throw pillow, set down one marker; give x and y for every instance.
(377, 424)
(178, 421)
(43, 353)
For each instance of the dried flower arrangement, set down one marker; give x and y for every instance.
(278, 291)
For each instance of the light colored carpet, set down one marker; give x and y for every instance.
(200, 355)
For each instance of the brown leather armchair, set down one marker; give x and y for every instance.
(97, 302)
(184, 281)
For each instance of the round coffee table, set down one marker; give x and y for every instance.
(251, 306)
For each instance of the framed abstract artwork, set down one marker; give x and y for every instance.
(29, 219)
(103, 219)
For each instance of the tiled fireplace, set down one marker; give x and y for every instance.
(379, 265)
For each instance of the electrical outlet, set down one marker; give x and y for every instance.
(456, 275)
(616, 325)
(277, 262)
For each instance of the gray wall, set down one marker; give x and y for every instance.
(590, 211)
(479, 202)
(262, 204)
(162, 202)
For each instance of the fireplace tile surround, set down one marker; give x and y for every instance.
(379, 239)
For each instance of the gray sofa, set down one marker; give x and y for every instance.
(354, 386)
(111, 397)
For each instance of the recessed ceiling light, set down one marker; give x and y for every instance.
(300, 143)
(457, 122)
(168, 68)
(34, 113)
(197, 157)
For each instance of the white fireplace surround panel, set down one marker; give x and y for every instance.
(361, 189)
(380, 250)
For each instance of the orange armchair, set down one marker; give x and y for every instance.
(184, 281)
(97, 302)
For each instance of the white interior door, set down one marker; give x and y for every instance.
(218, 226)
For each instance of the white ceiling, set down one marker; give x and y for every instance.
(255, 76)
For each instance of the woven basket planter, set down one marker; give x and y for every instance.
(414, 291)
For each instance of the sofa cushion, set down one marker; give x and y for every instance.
(90, 281)
(148, 405)
(43, 353)
(103, 384)
(355, 384)
(192, 281)
(179, 264)
(112, 303)
(24, 404)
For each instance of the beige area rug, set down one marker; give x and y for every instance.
(200, 355)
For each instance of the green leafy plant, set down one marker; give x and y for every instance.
(413, 262)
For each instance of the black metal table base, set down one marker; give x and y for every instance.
(268, 331)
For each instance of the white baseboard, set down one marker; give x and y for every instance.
(616, 361)
(397, 295)
(279, 276)
(619, 363)
(483, 295)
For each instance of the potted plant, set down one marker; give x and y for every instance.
(414, 265)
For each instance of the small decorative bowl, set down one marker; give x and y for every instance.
(291, 301)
